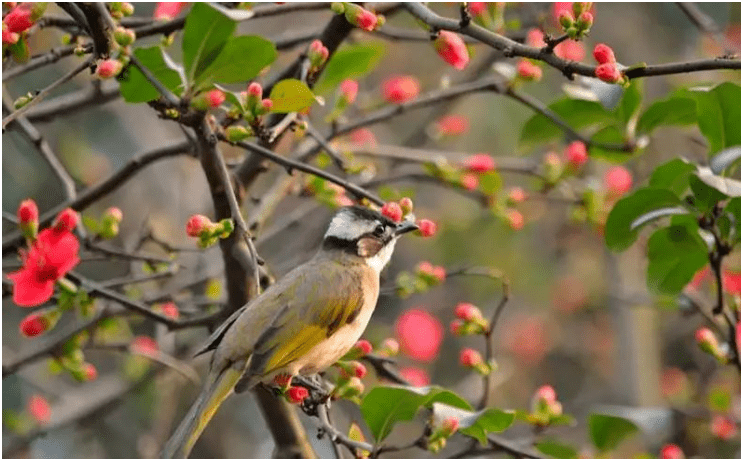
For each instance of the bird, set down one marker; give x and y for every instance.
(300, 325)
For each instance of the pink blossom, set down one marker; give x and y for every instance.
(420, 334)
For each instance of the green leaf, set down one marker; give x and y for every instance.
(673, 175)
(609, 135)
(607, 431)
(352, 61)
(675, 254)
(577, 113)
(291, 95)
(556, 449)
(729, 187)
(135, 87)
(204, 35)
(490, 182)
(241, 59)
(672, 111)
(705, 196)
(383, 407)
(622, 224)
(630, 101)
(718, 115)
(475, 424)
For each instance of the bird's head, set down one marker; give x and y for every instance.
(365, 233)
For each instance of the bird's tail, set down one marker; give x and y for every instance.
(215, 391)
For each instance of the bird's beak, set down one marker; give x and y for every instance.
(405, 227)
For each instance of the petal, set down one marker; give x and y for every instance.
(28, 291)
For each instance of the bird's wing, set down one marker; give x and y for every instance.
(324, 300)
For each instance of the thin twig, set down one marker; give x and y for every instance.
(50, 57)
(706, 24)
(97, 94)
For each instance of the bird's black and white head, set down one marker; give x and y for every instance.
(365, 233)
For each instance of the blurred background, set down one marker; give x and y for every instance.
(579, 317)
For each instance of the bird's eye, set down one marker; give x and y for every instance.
(379, 230)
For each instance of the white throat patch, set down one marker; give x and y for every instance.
(379, 260)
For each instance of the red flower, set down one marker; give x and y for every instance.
(470, 358)
(144, 345)
(426, 228)
(393, 211)
(398, 90)
(297, 394)
(349, 89)
(452, 125)
(33, 325)
(576, 154)
(415, 376)
(420, 334)
(19, 18)
(608, 73)
(452, 49)
(51, 256)
(618, 180)
(168, 10)
(529, 71)
(603, 53)
(479, 163)
(671, 451)
(535, 38)
(108, 68)
(731, 282)
(570, 50)
(39, 409)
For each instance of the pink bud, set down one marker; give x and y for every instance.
(349, 89)
(66, 219)
(608, 73)
(470, 358)
(456, 326)
(570, 50)
(363, 346)
(255, 89)
(317, 53)
(297, 394)
(39, 409)
(215, 98)
(469, 181)
(576, 154)
(477, 8)
(671, 451)
(467, 312)
(90, 372)
(19, 19)
(452, 125)
(108, 68)
(618, 180)
(114, 213)
(546, 394)
(450, 425)
(28, 212)
(704, 336)
(452, 49)
(358, 369)
(33, 325)
(426, 228)
(439, 273)
(390, 347)
(515, 219)
(170, 310)
(398, 90)
(10, 38)
(363, 137)
(144, 345)
(425, 267)
(165, 11)
(197, 224)
(359, 17)
(535, 38)
(393, 211)
(565, 19)
(479, 163)
(529, 71)
(584, 21)
(406, 204)
(722, 427)
(516, 195)
(267, 104)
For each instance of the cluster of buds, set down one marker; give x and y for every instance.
(576, 155)
(120, 10)
(358, 16)
(425, 277)
(452, 49)
(350, 368)
(469, 320)
(256, 105)
(349, 388)
(124, 37)
(544, 406)
(328, 193)
(708, 343)
(109, 226)
(578, 22)
(211, 99)
(318, 55)
(206, 231)
(16, 24)
(441, 432)
(607, 69)
(471, 359)
(72, 360)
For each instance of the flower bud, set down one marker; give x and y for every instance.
(671, 451)
(67, 219)
(353, 368)
(113, 214)
(581, 7)
(452, 49)
(439, 273)
(108, 68)
(348, 90)
(90, 372)
(469, 181)
(479, 163)
(426, 228)
(39, 409)
(584, 21)
(338, 7)
(603, 54)
(170, 310)
(516, 195)
(618, 180)
(317, 54)
(722, 427)
(449, 426)
(198, 225)
(33, 325)
(406, 204)
(608, 73)
(552, 167)
(127, 9)
(707, 341)
(398, 90)
(255, 90)
(360, 17)
(576, 154)
(28, 218)
(393, 211)
(351, 388)
(144, 345)
(124, 36)
(456, 327)
(529, 71)
(265, 107)
(389, 348)
(215, 98)
(470, 358)
(515, 219)
(565, 19)
(297, 394)
(10, 38)
(452, 125)
(237, 133)
(362, 347)
(467, 312)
